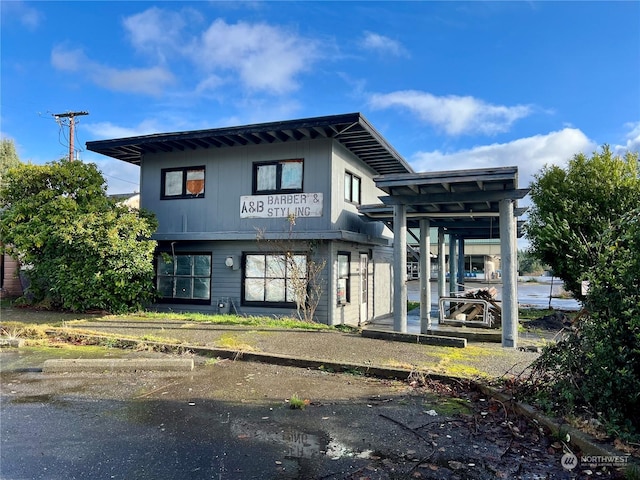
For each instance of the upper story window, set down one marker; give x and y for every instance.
(351, 188)
(284, 176)
(185, 182)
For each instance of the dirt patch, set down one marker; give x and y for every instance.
(553, 322)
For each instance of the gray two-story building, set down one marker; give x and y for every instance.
(240, 208)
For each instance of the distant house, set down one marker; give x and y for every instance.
(216, 191)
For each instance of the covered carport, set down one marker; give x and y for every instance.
(463, 204)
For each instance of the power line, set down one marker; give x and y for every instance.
(72, 122)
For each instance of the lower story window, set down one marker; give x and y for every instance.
(184, 277)
(273, 278)
(344, 282)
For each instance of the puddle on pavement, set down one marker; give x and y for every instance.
(298, 444)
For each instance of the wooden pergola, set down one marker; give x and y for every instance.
(464, 204)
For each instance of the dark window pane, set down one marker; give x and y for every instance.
(202, 265)
(183, 265)
(183, 288)
(165, 286)
(201, 288)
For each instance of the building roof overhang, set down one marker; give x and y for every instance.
(352, 130)
(465, 203)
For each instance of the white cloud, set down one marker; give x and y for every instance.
(19, 12)
(632, 139)
(382, 44)
(149, 81)
(66, 59)
(264, 57)
(103, 130)
(528, 154)
(159, 32)
(453, 114)
(258, 57)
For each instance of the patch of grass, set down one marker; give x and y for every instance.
(23, 330)
(455, 361)
(412, 305)
(233, 343)
(533, 313)
(160, 339)
(268, 322)
(397, 364)
(452, 406)
(297, 403)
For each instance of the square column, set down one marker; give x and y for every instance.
(461, 264)
(509, 255)
(442, 264)
(453, 265)
(400, 268)
(425, 275)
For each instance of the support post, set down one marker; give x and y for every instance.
(442, 265)
(425, 275)
(400, 268)
(508, 253)
(453, 265)
(461, 264)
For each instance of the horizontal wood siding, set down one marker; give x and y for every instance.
(344, 214)
(226, 282)
(229, 175)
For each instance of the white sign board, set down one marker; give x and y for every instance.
(281, 205)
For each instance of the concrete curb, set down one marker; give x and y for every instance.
(118, 364)
(437, 340)
(587, 444)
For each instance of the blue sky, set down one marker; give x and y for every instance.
(451, 85)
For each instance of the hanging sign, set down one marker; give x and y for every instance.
(281, 205)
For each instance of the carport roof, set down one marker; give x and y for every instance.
(464, 202)
(352, 130)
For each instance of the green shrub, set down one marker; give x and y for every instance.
(83, 251)
(596, 370)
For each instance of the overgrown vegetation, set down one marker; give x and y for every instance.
(595, 371)
(79, 249)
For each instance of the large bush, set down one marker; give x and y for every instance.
(80, 249)
(596, 370)
(574, 206)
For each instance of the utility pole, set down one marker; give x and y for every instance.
(72, 122)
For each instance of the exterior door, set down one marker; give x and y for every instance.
(364, 288)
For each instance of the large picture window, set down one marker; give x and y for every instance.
(273, 278)
(185, 182)
(185, 278)
(275, 177)
(351, 188)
